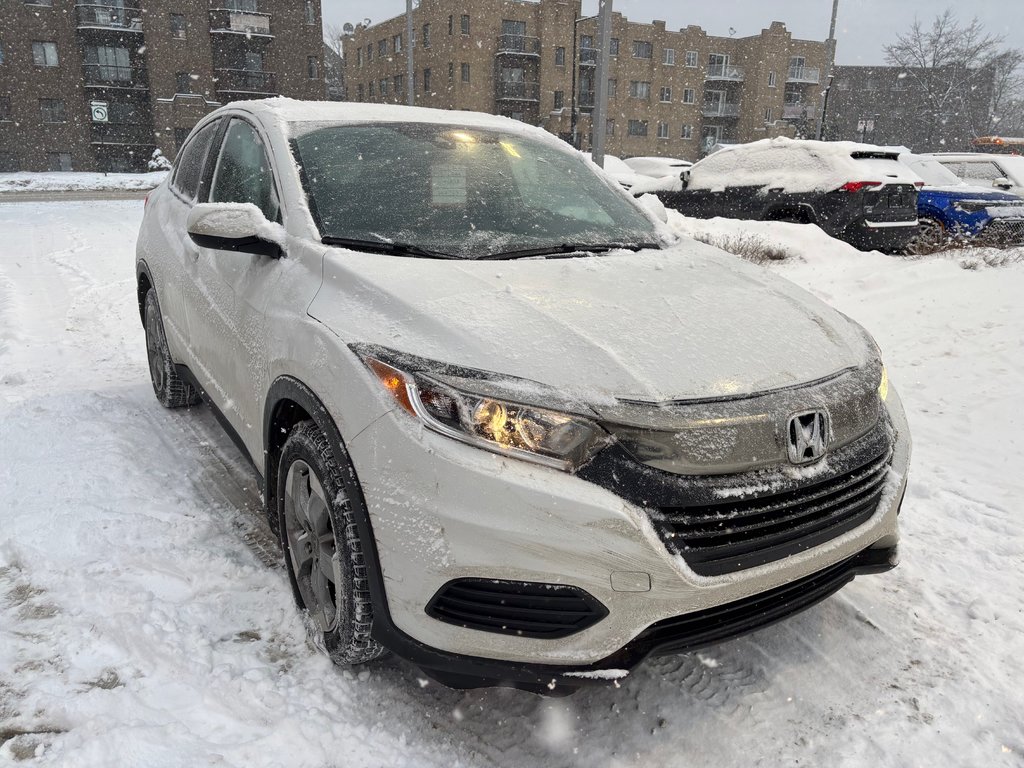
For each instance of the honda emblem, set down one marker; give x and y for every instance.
(808, 436)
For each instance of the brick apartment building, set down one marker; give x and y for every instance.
(152, 68)
(888, 105)
(671, 93)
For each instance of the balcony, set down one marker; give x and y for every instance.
(798, 111)
(226, 21)
(125, 134)
(729, 72)
(126, 17)
(588, 57)
(721, 109)
(245, 81)
(803, 75)
(518, 91)
(519, 44)
(115, 76)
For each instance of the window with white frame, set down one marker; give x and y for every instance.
(771, 79)
(642, 49)
(662, 130)
(44, 54)
(689, 96)
(669, 57)
(691, 58)
(639, 89)
(637, 128)
(665, 94)
(687, 132)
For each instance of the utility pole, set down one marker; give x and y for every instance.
(830, 62)
(410, 71)
(600, 114)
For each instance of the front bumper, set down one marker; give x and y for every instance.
(443, 511)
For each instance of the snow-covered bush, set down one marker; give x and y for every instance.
(158, 162)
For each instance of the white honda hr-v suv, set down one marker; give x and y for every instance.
(508, 427)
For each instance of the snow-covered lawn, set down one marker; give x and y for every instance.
(145, 619)
(79, 181)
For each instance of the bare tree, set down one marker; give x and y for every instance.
(334, 63)
(1008, 95)
(952, 68)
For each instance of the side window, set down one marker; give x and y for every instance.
(243, 173)
(983, 170)
(189, 166)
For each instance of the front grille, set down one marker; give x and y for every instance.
(524, 608)
(1002, 232)
(733, 535)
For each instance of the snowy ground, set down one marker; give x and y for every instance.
(145, 620)
(79, 181)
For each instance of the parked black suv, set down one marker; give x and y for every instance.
(854, 192)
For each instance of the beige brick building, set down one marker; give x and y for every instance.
(155, 66)
(672, 93)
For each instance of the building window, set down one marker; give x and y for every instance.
(426, 80)
(44, 54)
(451, 25)
(382, 48)
(639, 89)
(396, 43)
(637, 128)
(691, 58)
(183, 82)
(369, 52)
(383, 87)
(642, 49)
(662, 130)
(843, 85)
(311, 11)
(869, 84)
(370, 90)
(5, 108)
(465, 73)
(1, 54)
(426, 35)
(771, 79)
(178, 26)
(689, 96)
(399, 83)
(58, 161)
(359, 92)
(559, 101)
(609, 127)
(613, 47)
(613, 87)
(669, 57)
(768, 115)
(665, 95)
(464, 22)
(359, 58)
(560, 56)
(451, 72)
(312, 67)
(52, 111)
(687, 132)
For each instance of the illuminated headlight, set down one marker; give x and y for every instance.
(552, 438)
(883, 385)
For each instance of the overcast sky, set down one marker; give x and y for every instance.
(865, 26)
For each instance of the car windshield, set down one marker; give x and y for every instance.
(933, 172)
(459, 192)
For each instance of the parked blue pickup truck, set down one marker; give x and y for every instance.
(950, 210)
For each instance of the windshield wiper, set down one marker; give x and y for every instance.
(565, 250)
(393, 249)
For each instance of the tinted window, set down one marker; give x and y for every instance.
(189, 167)
(460, 191)
(243, 172)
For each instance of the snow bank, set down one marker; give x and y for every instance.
(79, 182)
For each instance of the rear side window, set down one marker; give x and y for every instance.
(243, 172)
(984, 170)
(189, 167)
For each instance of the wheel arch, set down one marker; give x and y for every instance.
(143, 282)
(801, 213)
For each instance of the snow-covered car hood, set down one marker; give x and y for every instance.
(683, 323)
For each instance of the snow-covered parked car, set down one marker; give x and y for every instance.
(950, 210)
(855, 192)
(507, 426)
(658, 167)
(995, 171)
(618, 170)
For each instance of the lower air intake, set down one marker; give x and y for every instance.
(523, 608)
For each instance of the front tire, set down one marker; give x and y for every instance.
(322, 548)
(170, 389)
(930, 237)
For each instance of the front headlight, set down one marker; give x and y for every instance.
(883, 385)
(555, 439)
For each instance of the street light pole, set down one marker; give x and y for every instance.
(830, 62)
(410, 71)
(600, 115)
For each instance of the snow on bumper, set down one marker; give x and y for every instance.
(442, 510)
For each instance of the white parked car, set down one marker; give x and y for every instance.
(506, 426)
(618, 170)
(1001, 172)
(658, 167)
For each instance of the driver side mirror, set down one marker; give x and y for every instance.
(239, 227)
(1002, 183)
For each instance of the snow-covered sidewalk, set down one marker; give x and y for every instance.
(145, 619)
(79, 182)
